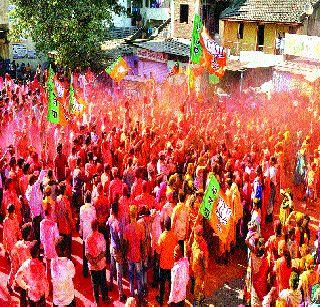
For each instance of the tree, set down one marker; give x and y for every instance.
(72, 29)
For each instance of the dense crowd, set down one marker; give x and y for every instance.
(129, 178)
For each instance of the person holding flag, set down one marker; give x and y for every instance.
(199, 263)
(216, 209)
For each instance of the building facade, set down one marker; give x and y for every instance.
(254, 25)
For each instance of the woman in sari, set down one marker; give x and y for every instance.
(257, 273)
(286, 206)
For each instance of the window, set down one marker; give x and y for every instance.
(240, 30)
(292, 30)
(184, 13)
(260, 35)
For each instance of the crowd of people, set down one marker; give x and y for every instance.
(129, 178)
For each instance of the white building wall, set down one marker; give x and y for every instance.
(121, 20)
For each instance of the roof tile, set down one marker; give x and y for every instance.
(281, 11)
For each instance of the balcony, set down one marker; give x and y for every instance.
(160, 14)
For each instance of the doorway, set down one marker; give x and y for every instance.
(260, 38)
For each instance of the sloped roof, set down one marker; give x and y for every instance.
(280, 11)
(117, 47)
(170, 46)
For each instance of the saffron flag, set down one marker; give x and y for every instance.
(60, 90)
(76, 104)
(56, 113)
(216, 210)
(118, 70)
(71, 96)
(195, 47)
(213, 58)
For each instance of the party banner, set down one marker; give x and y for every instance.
(195, 47)
(118, 70)
(77, 105)
(56, 113)
(214, 57)
(216, 210)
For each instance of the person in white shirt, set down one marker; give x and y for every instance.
(62, 274)
(19, 254)
(32, 277)
(49, 234)
(96, 254)
(34, 197)
(278, 43)
(179, 279)
(162, 166)
(167, 209)
(87, 216)
(282, 43)
(273, 187)
(180, 220)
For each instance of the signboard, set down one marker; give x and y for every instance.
(9, 9)
(19, 51)
(302, 46)
(153, 56)
(32, 54)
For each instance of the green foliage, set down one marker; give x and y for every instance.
(72, 29)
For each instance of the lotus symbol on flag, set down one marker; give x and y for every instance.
(223, 212)
(121, 70)
(59, 89)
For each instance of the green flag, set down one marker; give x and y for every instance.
(71, 97)
(195, 47)
(216, 210)
(209, 198)
(53, 104)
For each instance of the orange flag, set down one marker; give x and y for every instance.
(216, 210)
(118, 70)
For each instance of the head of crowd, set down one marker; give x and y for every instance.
(129, 177)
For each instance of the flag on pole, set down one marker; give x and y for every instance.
(77, 105)
(118, 70)
(53, 104)
(71, 96)
(195, 47)
(60, 91)
(214, 57)
(56, 113)
(216, 210)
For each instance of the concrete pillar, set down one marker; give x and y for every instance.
(172, 16)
